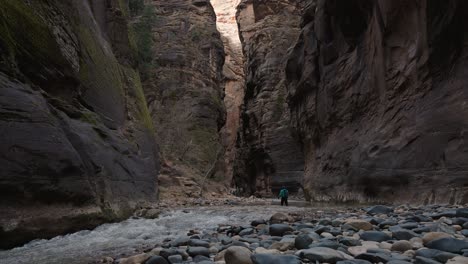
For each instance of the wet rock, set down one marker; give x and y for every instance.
(375, 236)
(450, 214)
(279, 229)
(434, 254)
(195, 251)
(375, 257)
(237, 255)
(158, 260)
(350, 242)
(448, 244)
(326, 244)
(379, 209)
(403, 234)
(175, 259)
(360, 225)
(258, 222)
(401, 246)
(465, 225)
(423, 229)
(165, 253)
(279, 218)
(388, 223)
(201, 259)
(180, 241)
(275, 259)
(423, 260)
(246, 232)
(462, 212)
(198, 243)
(303, 241)
(409, 225)
(323, 254)
(433, 236)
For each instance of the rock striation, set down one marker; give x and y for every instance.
(233, 72)
(77, 143)
(184, 86)
(377, 98)
(267, 154)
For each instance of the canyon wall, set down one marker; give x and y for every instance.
(184, 85)
(233, 72)
(377, 94)
(77, 143)
(267, 154)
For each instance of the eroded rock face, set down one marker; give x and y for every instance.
(77, 143)
(267, 156)
(233, 72)
(377, 95)
(185, 83)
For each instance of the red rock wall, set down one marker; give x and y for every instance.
(377, 94)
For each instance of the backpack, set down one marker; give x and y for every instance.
(284, 193)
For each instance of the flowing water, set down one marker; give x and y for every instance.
(129, 236)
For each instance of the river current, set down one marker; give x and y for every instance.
(131, 235)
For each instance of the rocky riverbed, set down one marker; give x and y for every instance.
(266, 234)
(377, 234)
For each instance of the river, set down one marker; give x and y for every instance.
(131, 235)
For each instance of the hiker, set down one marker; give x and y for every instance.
(284, 196)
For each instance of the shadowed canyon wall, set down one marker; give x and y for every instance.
(77, 143)
(267, 154)
(233, 72)
(184, 84)
(377, 92)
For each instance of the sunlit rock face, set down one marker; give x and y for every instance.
(377, 93)
(77, 143)
(184, 86)
(267, 154)
(233, 72)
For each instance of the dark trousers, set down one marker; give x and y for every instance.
(284, 200)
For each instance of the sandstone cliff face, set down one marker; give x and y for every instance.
(184, 87)
(233, 72)
(77, 143)
(377, 94)
(267, 155)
